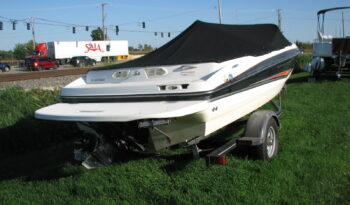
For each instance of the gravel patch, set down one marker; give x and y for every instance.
(43, 83)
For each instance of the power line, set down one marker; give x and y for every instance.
(50, 8)
(11, 19)
(153, 8)
(139, 31)
(249, 10)
(54, 23)
(257, 19)
(163, 17)
(60, 23)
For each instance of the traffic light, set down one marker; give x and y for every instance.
(161, 34)
(116, 30)
(169, 34)
(73, 29)
(86, 28)
(143, 25)
(1, 24)
(28, 26)
(14, 25)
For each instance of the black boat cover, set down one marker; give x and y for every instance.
(207, 42)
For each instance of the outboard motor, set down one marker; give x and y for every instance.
(93, 150)
(316, 63)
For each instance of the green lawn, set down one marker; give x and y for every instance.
(313, 166)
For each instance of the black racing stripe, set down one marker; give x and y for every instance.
(246, 80)
(254, 85)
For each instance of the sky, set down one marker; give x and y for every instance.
(54, 19)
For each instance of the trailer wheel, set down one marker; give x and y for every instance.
(270, 146)
(55, 67)
(40, 68)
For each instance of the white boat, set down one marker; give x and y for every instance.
(207, 77)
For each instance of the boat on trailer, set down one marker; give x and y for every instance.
(207, 77)
(330, 54)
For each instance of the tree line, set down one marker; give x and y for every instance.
(19, 52)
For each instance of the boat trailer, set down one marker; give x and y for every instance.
(261, 135)
(258, 135)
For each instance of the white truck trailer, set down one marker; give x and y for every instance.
(65, 50)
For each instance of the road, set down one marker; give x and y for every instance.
(15, 69)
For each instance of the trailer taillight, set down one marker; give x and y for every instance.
(221, 160)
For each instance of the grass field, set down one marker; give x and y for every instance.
(313, 166)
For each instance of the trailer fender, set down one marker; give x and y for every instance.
(256, 128)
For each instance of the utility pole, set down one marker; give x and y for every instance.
(279, 16)
(103, 20)
(342, 19)
(33, 32)
(219, 10)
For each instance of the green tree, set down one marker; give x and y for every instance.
(29, 47)
(22, 50)
(147, 47)
(132, 48)
(304, 45)
(144, 47)
(19, 51)
(6, 55)
(97, 34)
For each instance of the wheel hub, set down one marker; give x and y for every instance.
(270, 141)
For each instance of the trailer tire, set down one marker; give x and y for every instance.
(39, 68)
(55, 67)
(270, 146)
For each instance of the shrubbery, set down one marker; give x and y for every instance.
(301, 62)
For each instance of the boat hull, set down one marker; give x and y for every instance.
(218, 114)
(191, 115)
